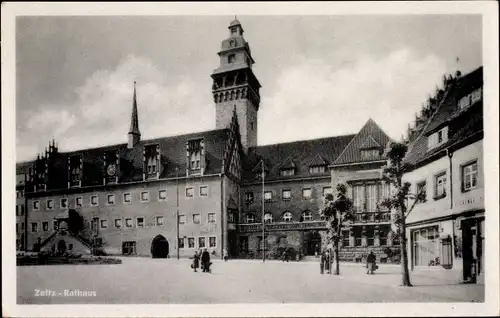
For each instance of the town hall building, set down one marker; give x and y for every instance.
(172, 196)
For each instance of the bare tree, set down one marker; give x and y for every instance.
(398, 201)
(338, 215)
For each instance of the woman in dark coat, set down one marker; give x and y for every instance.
(370, 263)
(205, 260)
(196, 261)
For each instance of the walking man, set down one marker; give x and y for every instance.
(205, 260)
(370, 263)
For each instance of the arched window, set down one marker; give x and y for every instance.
(250, 218)
(268, 218)
(307, 216)
(287, 216)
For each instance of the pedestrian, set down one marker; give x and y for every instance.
(205, 260)
(283, 256)
(225, 255)
(327, 262)
(196, 261)
(371, 263)
(322, 263)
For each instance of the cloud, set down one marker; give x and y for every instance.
(314, 100)
(100, 114)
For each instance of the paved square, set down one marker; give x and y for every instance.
(164, 281)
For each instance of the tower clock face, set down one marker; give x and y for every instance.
(111, 170)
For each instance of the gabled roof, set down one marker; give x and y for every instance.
(172, 154)
(318, 161)
(302, 153)
(370, 135)
(288, 164)
(370, 143)
(462, 124)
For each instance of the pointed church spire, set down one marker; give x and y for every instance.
(134, 135)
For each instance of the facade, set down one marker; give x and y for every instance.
(446, 151)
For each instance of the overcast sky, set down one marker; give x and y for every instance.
(320, 75)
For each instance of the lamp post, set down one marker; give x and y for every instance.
(177, 208)
(263, 214)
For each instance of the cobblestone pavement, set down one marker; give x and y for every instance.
(163, 281)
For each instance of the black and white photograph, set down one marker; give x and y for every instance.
(266, 159)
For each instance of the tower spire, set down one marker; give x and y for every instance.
(134, 135)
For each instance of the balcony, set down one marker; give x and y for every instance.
(372, 217)
(283, 226)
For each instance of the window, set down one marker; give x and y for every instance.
(212, 240)
(231, 216)
(307, 216)
(250, 218)
(268, 196)
(129, 248)
(286, 194)
(357, 237)
(118, 223)
(371, 197)
(34, 227)
(287, 172)
(64, 203)
(78, 201)
(426, 246)
(383, 237)
(196, 219)
(358, 193)
(140, 222)
(17, 228)
(127, 198)
(195, 151)
(159, 221)
(50, 204)
(201, 242)
(145, 196)
(17, 210)
(128, 222)
(189, 192)
(181, 242)
(327, 190)
(162, 195)
(231, 58)
(22, 209)
(211, 217)
(55, 225)
(367, 154)
(36, 205)
(287, 216)
(438, 138)
(94, 201)
(370, 236)
(345, 239)
(306, 193)
(317, 169)
(104, 224)
(111, 198)
(469, 176)
(421, 188)
(249, 197)
(203, 191)
(182, 219)
(268, 218)
(440, 186)
(45, 226)
(190, 242)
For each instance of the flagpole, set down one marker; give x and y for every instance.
(263, 223)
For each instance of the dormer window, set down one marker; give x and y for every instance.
(195, 149)
(75, 167)
(287, 172)
(469, 100)
(152, 161)
(317, 169)
(438, 138)
(370, 154)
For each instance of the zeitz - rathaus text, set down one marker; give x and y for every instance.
(171, 196)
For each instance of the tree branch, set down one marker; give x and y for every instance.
(415, 202)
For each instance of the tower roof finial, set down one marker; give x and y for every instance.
(134, 122)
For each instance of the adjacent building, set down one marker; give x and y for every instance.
(446, 151)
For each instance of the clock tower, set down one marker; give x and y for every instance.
(236, 87)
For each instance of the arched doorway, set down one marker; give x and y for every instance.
(159, 247)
